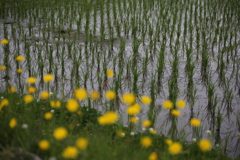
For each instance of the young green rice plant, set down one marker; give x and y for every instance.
(211, 102)
(135, 80)
(204, 63)
(219, 120)
(228, 97)
(160, 67)
(153, 109)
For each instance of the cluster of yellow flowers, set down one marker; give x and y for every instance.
(175, 148)
(108, 118)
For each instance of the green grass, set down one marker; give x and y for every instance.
(104, 143)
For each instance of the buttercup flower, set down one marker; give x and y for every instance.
(2, 68)
(176, 112)
(19, 70)
(48, 115)
(47, 78)
(81, 94)
(4, 41)
(128, 98)
(175, 148)
(110, 73)
(3, 103)
(152, 131)
(146, 142)
(31, 80)
(60, 133)
(13, 123)
(146, 123)
(70, 152)
(108, 118)
(120, 133)
(12, 89)
(20, 58)
(146, 100)
(181, 104)
(195, 122)
(110, 95)
(55, 104)
(72, 105)
(45, 94)
(28, 98)
(134, 109)
(133, 119)
(82, 143)
(43, 144)
(95, 95)
(153, 156)
(167, 104)
(31, 90)
(168, 141)
(204, 145)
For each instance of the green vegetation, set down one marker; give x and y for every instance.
(85, 65)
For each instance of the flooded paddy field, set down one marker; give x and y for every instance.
(164, 49)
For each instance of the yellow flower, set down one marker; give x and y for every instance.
(72, 105)
(152, 131)
(48, 115)
(12, 89)
(146, 142)
(79, 113)
(153, 156)
(181, 104)
(110, 73)
(175, 148)
(168, 141)
(204, 145)
(82, 143)
(44, 145)
(167, 104)
(4, 41)
(60, 133)
(44, 94)
(128, 98)
(13, 123)
(19, 70)
(20, 58)
(95, 95)
(55, 104)
(195, 122)
(176, 112)
(2, 68)
(70, 152)
(134, 109)
(110, 95)
(146, 123)
(31, 90)
(134, 119)
(28, 98)
(120, 133)
(4, 103)
(146, 100)
(31, 80)
(47, 78)
(108, 118)
(81, 94)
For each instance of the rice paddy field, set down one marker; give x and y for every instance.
(152, 66)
